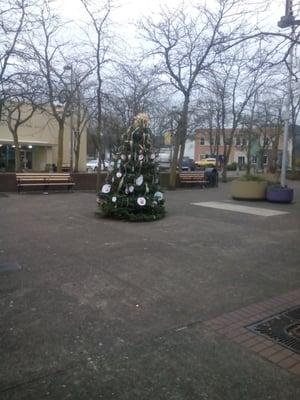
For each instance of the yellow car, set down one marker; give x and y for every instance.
(206, 162)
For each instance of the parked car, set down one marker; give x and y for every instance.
(164, 158)
(92, 165)
(187, 164)
(206, 162)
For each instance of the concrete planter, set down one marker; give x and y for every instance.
(277, 194)
(248, 190)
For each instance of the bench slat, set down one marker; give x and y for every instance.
(193, 177)
(44, 179)
(46, 184)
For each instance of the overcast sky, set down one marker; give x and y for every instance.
(131, 10)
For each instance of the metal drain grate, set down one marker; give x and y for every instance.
(284, 328)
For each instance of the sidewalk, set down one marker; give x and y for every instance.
(102, 309)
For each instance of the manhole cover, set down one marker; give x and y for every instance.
(9, 266)
(284, 328)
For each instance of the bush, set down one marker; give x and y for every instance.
(253, 178)
(232, 166)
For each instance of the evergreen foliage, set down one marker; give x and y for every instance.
(132, 190)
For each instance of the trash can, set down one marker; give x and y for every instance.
(212, 176)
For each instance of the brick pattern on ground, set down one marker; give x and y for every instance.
(233, 325)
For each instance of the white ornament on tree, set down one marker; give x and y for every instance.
(141, 201)
(139, 180)
(158, 196)
(106, 188)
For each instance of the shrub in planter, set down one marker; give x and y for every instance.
(249, 187)
(232, 166)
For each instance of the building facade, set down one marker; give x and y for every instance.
(38, 143)
(206, 146)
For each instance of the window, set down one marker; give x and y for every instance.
(202, 156)
(211, 141)
(238, 141)
(244, 142)
(266, 141)
(253, 159)
(202, 140)
(241, 160)
(265, 160)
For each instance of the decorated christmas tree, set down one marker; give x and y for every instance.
(132, 190)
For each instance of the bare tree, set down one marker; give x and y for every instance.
(133, 89)
(81, 109)
(295, 109)
(187, 47)
(207, 114)
(239, 79)
(99, 41)
(49, 55)
(18, 111)
(12, 21)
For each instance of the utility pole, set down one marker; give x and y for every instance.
(70, 68)
(286, 21)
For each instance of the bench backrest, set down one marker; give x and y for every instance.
(192, 175)
(43, 177)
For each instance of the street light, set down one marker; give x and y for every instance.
(287, 20)
(70, 68)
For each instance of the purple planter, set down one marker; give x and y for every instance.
(277, 194)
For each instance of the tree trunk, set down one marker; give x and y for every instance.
(180, 138)
(17, 153)
(224, 171)
(294, 148)
(181, 154)
(77, 150)
(260, 157)
(248, 166)
(225, 160)
(60, 146)
(274, 156)
(173, 170)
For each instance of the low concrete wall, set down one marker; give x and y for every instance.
(293, 176)
(87, 181)
(83, 181)
(8, 182)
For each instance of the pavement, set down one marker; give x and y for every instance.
(102, 309)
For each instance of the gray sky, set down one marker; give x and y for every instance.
(131, 10)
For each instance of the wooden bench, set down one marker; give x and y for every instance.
(193, 177)
(44, 180)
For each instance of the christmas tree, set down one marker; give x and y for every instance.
(132, 190)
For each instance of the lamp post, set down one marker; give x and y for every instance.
(70, 68)
(173, 131)
(286, 21)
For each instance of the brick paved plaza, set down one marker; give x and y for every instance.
(101, 309)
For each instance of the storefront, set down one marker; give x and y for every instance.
(34, 157)
(38, 144)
